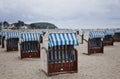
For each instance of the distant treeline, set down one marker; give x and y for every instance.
(43, 25)
(19, 24)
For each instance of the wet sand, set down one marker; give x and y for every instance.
(95, 66)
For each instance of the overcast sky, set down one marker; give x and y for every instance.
(63, 13)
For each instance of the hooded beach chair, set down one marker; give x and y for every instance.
(92, 42)
(30, 45)
(59, 54)
(116, 35)
(12, 40)
(108, 38)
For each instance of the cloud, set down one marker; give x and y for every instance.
(63, 13)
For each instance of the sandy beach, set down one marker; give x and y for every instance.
(95, 66)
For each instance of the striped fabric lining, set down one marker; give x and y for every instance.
(56, 39)
(96, 34)
(30, 46)
(65, 54)
(30, 37)
(12, 34)
(3, 33)
(12, 42)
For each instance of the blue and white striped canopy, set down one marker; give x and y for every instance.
(56, 39)
(96, 34)
(12, 34)
(30, 37)
(109, 32)
(3, 33)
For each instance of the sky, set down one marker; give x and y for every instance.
(73, 14)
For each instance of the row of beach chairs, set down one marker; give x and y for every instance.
(57, 49)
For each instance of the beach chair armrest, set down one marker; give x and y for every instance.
(45, 49)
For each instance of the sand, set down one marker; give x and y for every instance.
(95, 66)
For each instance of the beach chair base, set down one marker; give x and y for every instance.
(95, 50)
(30, 54)
(12, 48)
(116, 40)
(57, 73)
(108, 43)
(62, 68)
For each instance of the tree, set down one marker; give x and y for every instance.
(19, 24)
(43, 25)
